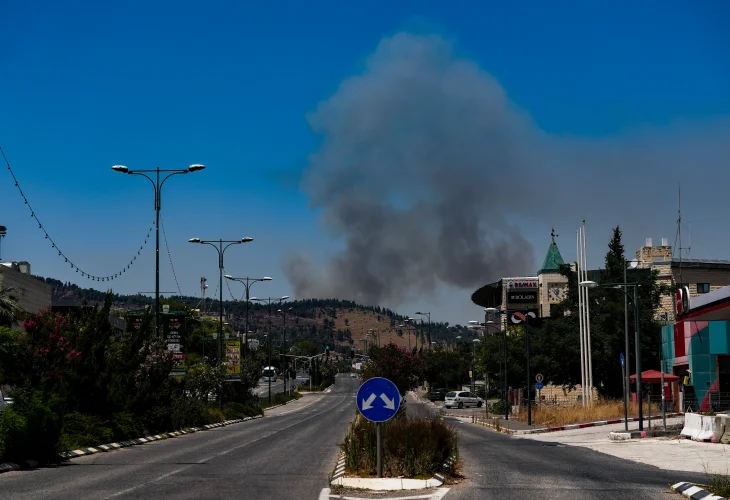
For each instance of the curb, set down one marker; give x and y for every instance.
(695, 492)
(568, 427)
(282, 404)
(32, 464)
(339, 475)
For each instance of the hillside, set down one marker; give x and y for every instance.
(339, 323)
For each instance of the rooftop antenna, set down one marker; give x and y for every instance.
(203, 286)
(678, 243)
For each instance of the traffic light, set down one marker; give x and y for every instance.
(352, 354)
(327, 352)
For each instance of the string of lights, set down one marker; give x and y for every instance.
(169, 256)
(83, 273)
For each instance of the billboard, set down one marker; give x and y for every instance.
(172, 326)
(233, 357)
(522, 291)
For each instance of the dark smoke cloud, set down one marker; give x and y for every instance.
(420, 160)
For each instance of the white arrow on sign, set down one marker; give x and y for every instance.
(389, 403)
(368, 403)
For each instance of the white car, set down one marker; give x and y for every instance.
(462, 399)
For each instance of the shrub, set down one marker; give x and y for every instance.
(126, 426)
(411, 448)
(13, 435)
(214, 416)
(187, 412)
(43, 416)
(158, 418)
(234, 410)
(83, 430)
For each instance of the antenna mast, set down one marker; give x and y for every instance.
(203, 286)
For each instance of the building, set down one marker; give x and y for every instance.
(700, 276)
(528, 293)
(547, 287)
(698, 344)
(33, 295)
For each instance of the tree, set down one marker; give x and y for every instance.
(396, 364)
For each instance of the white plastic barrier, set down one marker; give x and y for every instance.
(692, 425)
(703, 428)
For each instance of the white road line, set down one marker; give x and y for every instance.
(182, 469)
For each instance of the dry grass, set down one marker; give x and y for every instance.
(574, 414)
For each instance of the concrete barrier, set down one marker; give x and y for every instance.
(704, 428)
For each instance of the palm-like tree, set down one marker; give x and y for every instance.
(10, 310)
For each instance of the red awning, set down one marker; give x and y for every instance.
(654, 377)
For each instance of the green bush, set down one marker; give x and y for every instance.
(43, 416)
(13, 435)
(187, 412)
(214, 416)
(82, 431)
(126, 426)
(234, 410)
(411, 448)
(159, 418)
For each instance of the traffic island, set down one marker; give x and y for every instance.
(340, 480)
(690, 490)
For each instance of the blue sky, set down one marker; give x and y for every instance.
(87, 85)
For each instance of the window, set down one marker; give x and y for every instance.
(703, 287)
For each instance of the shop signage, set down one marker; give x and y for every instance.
(522, 297)
(522, 284)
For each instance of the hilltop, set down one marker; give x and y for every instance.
(338, 323)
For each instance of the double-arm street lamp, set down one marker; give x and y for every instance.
(157, 185)
(247, 282)
(637, 341)
(220, 246)
(269, 300)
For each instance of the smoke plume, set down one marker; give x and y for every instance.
(421, 164)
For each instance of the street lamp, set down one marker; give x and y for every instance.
(269, 300)
(637, 337)
(157, 185)
(247, 282)
(473, 355)
(493, 310)
(429, 322)
(283, 345)
(220, 248)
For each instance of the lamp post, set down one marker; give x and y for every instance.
(283, 345)
(157, 185)
(247, 282)
(220, 246)
(493, 310)
(473, 355)
(269, 300)
(637, 340)
(428, 314)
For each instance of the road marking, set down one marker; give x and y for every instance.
(182, 469)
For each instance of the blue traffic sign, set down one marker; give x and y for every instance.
(539, 386)
(378, 399)
(623, 360)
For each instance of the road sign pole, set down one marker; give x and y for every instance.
(626, 393)
(379, 432)
(529, 382)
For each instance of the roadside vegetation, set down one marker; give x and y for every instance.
(602, 409)
(76, 381)
(411, 448)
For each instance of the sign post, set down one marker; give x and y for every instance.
(626, 392)
(539, 386)
(378, 400)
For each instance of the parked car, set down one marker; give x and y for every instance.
(437, 394)
(462, 399)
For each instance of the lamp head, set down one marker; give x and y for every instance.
(284, 297)
(196, 167)
(194, 240)
(246, 239)
(266, 278)
(588, 284)
(120, 168)
(228, 276)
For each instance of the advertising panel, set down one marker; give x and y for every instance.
(522, 297)
(233, 357)
(172, 325)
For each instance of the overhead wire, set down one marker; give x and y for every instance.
(169, 256)
(84, 273)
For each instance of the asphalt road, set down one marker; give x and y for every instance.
(288, 454)
(497, 466)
